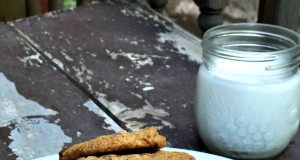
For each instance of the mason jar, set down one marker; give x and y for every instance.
(248, 90)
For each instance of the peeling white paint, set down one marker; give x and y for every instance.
(190, 48)
(48, 54)
(78, 134)
(127, 79)
(179, 38)
(67, 57)
(89, 71)
(57, 120)
(148, 88)
(168, 124)
(13, 106)
(134, 42)
(125, 114)
(59, 63)
(28, 135)
(30, 60)
(137, 95)
(36, 137)
(158, 47)
(95, 109)
(145, 83)
(137, 59)
(81, 72)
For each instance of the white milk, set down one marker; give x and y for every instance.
(246, 120)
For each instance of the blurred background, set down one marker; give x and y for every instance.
(182, 12)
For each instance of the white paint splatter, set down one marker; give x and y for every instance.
(145, 83)
(134, 42)
(185, 43)
(35, 138)
(67, 57)
(137, 59)
(30, 60)
(89, 71)
(137, 95)
(158, 47)
(82, 71)
(57, 120)
(148, 88)
(95, 109)
(59, 63)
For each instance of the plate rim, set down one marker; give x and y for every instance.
(191, 152)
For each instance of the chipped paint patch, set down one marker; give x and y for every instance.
(28, 136)
(137, 59)
(78, 134)
(95, 109)
(82, 72)
(190, 48)
(59, 63)
(33, 60)
(137, 95)
(13, 106)
(148, 88)
(67, 57)
(125, 114)
(30, 60)
(158, 47)
(176, 35)
(36, 137)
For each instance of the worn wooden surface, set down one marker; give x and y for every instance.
(138, 65)
(134, 64)
(40, 109)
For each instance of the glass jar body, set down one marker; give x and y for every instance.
(246, 120)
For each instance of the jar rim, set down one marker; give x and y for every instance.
(206, 42)
(252, 49)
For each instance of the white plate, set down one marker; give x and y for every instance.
(197, 155)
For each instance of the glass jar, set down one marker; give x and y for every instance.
(248, 90)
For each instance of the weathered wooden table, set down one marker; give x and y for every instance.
(70, 76)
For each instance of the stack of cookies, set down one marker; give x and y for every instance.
(139, 145)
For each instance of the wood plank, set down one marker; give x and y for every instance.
(8, 14)
(40, 109)
(33, 7)
(284, 13)
(137, 64)
(56, 5)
